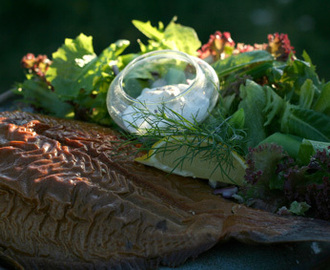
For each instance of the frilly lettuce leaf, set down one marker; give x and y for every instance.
(77, 68)
(299, 208)
(70, 63)
(175, 37)
(79, 76)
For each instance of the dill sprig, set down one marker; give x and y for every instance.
(213, 139)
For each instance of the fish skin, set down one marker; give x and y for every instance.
(70, 201)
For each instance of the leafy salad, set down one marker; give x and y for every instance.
(273, 110)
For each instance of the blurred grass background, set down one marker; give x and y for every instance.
(40, 26)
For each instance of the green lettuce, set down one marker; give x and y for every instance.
(82, 78)
(253, 103)
(305, 123)
(174, 36)
(241, 61)
(323, 102)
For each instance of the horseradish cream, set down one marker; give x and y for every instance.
(158, 83)
(142, 115)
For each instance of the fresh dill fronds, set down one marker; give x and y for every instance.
(212, 139)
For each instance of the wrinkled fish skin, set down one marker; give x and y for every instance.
(69, 201)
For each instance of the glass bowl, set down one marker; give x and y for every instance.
(158, 83)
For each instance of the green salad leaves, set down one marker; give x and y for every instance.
(174, 36)
(76, 82)
(277, 99)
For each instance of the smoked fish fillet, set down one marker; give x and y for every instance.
(69, 199)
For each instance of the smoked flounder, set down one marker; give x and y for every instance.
(68, 200)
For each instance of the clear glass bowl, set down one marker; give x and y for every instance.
(162, 81)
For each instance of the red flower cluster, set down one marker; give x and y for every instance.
(241, 47)
(36, 65)
(221, 45)
(279, 46)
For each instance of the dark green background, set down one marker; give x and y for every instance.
(41, 26)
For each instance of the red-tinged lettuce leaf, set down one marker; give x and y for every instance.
(275, 180)
(311, 184)
(261, 174)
